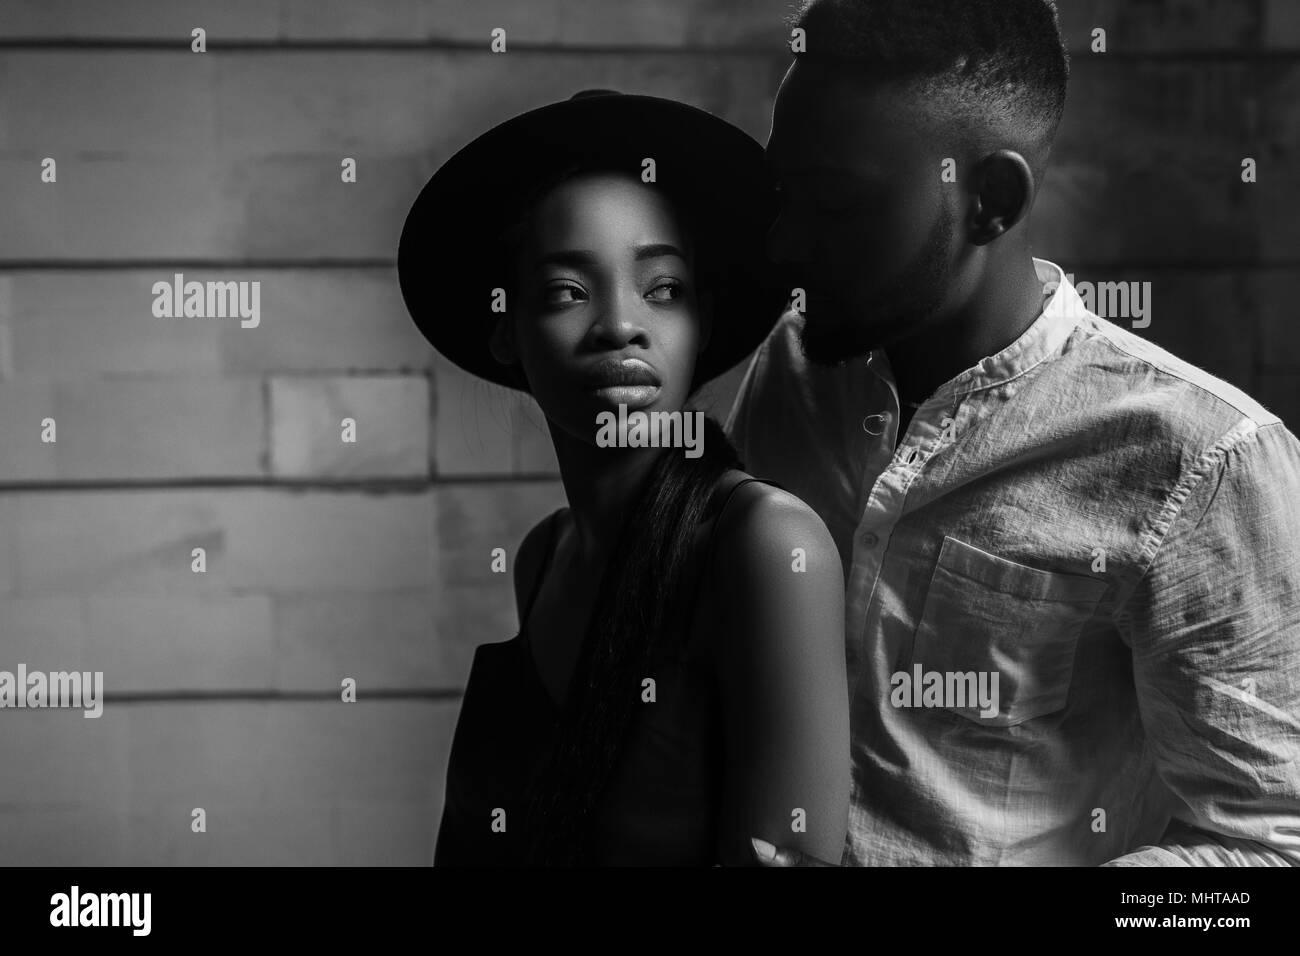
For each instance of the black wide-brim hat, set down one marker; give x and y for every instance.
(450, 256)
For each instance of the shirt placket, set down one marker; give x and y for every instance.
(880, 504)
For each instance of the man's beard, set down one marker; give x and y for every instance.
(906, 305)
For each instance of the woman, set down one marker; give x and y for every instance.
(677, 686)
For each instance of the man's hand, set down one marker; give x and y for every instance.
(768, 855)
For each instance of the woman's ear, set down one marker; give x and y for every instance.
(502, 342)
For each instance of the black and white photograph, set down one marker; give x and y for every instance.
(441, 437)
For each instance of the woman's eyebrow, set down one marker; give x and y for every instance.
(585, 257)
(568, 257)
(658, 250)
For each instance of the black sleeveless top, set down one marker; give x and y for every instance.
(661, 808)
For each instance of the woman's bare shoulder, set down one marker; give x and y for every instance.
(767, 531)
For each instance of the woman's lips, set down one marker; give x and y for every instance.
(630, 382)
(633, 396)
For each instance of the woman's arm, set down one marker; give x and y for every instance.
(779, 655)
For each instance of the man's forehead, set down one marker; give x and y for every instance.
(826, 124)
(815, 93)
(832, 150)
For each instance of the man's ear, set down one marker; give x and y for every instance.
(502, 342)
(1002, 185)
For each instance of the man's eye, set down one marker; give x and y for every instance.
(666, 291)
(563, 293)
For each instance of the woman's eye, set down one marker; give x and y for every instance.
(666, 291)
(563, 294)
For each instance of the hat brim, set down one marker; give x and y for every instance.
(448, 259)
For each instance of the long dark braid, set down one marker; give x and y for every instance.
(639, 591)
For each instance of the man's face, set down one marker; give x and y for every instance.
(866, 225)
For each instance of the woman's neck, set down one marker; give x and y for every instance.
(600, 484)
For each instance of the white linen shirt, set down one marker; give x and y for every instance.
(1110, 530)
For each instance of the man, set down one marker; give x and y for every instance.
(1073, 595)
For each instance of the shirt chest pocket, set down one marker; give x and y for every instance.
(1013, 627)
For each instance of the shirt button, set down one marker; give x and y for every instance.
(870, 539)
(874, 424)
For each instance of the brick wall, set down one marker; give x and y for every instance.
(372, 560)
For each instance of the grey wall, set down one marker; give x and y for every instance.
(372, 560)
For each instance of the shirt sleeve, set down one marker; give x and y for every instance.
(1214, 627)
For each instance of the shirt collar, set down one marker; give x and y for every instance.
(1044, 337)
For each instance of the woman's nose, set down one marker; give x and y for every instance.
(620, 325)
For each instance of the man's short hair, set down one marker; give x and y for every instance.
(982, 59)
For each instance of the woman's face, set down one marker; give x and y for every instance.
(605, 308)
